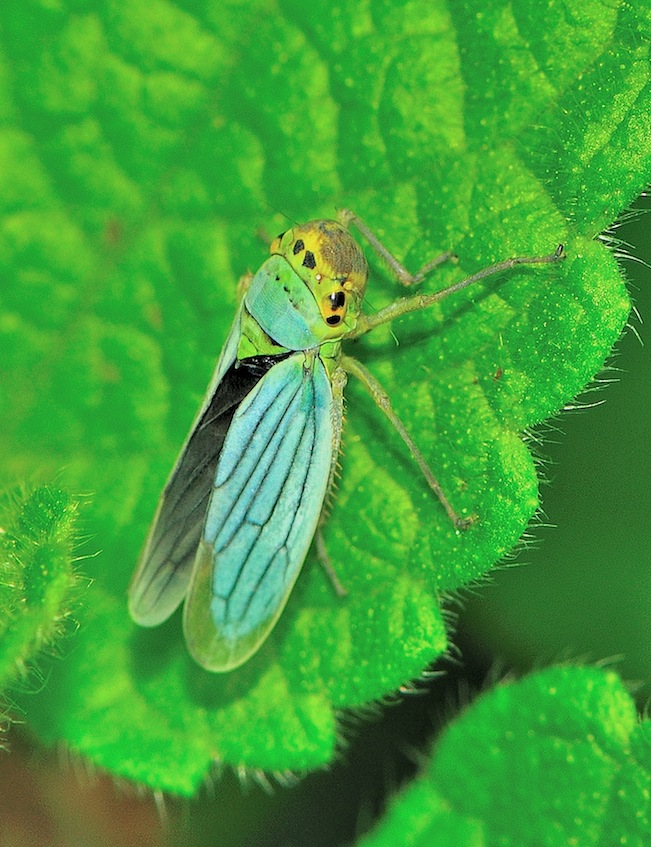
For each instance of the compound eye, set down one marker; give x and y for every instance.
(335, 308)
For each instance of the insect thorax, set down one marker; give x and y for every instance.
(254, 341)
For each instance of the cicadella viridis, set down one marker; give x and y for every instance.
(245, 499)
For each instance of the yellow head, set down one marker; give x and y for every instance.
(331, 264)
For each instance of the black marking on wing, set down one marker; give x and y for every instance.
(175, 536)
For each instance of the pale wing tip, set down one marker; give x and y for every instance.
(205, 643)
(150, 604)
(218, 656)
(144, 610)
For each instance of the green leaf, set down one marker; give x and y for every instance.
(37, 580)
(558, 758)
(143, 146)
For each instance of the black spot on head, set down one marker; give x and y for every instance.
(309, 261)
(298, 246)
(280, 236)
(333, 320)
(337, 299)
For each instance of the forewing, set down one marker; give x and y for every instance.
(269, 489)
(161, 578)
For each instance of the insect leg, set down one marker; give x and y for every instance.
(416, 302)
(338, 382)
(400, 272)
(381, 398)
(326, 563)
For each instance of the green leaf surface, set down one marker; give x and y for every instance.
(37, 579)
(558, 758)
(144, 147)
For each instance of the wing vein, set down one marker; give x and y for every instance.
(284, 546)
(265, 457)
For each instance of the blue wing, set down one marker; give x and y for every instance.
(269, 489)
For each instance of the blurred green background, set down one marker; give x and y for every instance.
(585, 593)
